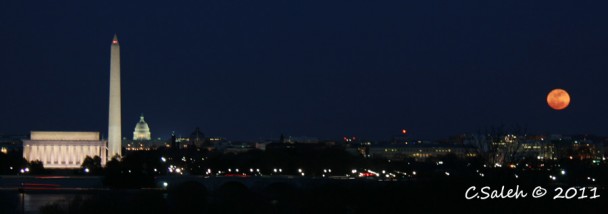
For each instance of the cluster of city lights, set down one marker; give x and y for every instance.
(175, 169)
(557, 174)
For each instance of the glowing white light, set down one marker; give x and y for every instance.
(563, 172)
(165, 184)
(163, 159)
(86, 170)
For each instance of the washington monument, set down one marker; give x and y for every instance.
(114, 119)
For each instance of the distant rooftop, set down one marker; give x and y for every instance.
(63, 135)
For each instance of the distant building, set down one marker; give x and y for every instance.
(540, 149)
(420, 152)
(579, 148)
(299, 139)
(261, 144)
(144, 145)
(142, 138)
(237, 147)
(197, 138)
(63, 149)
(142, 130)
(218, 142)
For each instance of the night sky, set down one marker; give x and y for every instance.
(256, 69)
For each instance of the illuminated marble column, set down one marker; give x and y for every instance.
(37, 152)
(32, 154)
(64, 154)
(61, 155)
(77, 151)
(52, 153)
(71, 158)
(44, 155)
(58, 154)
(26, 152)
(47, 152)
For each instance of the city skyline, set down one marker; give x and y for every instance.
(244, 74)
(303, 107)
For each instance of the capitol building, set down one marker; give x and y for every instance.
(142, 138)
(142, 131)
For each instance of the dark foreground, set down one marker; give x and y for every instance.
(284, 196)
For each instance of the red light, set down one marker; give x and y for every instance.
(403, 131)
(114, 42)
(366, 174)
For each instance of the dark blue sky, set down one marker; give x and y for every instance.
(256, 69)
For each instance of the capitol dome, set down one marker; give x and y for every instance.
(142, 131)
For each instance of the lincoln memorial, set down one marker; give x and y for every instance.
(63, 149)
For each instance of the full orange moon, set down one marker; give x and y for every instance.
(558, 99)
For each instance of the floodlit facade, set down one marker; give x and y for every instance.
(142, 130)
(63, 149)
